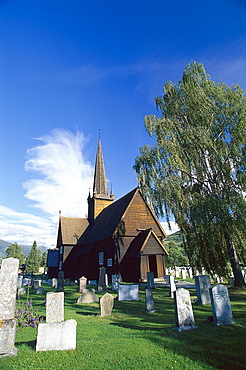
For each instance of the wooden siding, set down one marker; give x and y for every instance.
(139, 217)
(152, 247)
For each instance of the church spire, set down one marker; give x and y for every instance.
(100, 198)
(100, 182)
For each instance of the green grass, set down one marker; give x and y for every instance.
(131, 339)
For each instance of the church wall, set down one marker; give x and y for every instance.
(139, 217)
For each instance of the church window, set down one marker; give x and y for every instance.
(100, 258)
(60, 265)
(110, 262)
(61, 249)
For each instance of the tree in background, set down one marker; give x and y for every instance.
(15, 250)
(176, 256)
(196, 170)
(43, 262)
(33, 259)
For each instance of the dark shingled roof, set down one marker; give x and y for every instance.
(72, 228)
(107, 221)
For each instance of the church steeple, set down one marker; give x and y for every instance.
(100, 182)
(100, 198)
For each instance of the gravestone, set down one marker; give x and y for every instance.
(49, 282)
(183, 273)
(172, 286)
(106, 304)
(27, 281)
(21, 291)
(177, 271)
(68, 282)
(8, 288)
(88, 296)
(37, 283)
(150, 280)
(221, 306)
(60, 281)
(116, 279)
(150, 305)
(54, 307)
(167, 278)
(82, 284)
(92, 282)
(184, 318)
(40, 290)
(128, 293)
(102, 287)
(54, 283)
(19, 281)
(58, 336)
(202, 289)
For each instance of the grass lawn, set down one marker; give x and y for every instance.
(131, 339)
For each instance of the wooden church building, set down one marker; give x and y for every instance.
(124, 235)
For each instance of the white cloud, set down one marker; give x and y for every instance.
(174, 227)
(64, 175)
(24, 228)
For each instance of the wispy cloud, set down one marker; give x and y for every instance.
(63, 174)
(60, 180)
(174, 227)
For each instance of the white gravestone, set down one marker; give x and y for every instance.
(128, 293)
(184, 317)
(116, 279)
(102, 285)
(172, 286)
(183, 273)
(221, 306)
(8, 288)
(54, 307)
(202, 289)
(150, 304)
(58, 336)
(106, 304)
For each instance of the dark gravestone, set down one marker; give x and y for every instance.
(150, 280)
(150, 304)
(60, 282)
(102, 287)
(202, 289)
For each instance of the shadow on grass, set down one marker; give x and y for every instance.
(86, 313)
(31, 344)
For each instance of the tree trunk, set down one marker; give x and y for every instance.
(236, 269)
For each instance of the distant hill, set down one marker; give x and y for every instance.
(175, 237)
(25, 248)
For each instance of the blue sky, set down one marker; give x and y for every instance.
(71, 67)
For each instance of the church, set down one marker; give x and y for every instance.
(124, 236)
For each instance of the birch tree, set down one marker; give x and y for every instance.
(196, 168)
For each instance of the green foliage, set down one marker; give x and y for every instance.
(196, 170)
(33, 259)
(14, 250)
(43, 262)
(176, 256)
(132, 339)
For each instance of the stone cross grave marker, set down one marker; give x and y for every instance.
(60, 281)
(8, 288)
(128, 292)
(116, 279)
(54, 307)
(202, 289)
(150, 280)
(184, 317)
(102, 287)
(106, 304)
(150, 304)
(82, 284)
(221, 305)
